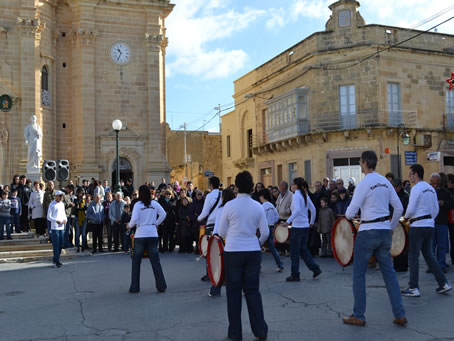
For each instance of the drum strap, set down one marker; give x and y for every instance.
(378, 220)
(427, 216)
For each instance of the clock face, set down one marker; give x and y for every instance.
(120, 53)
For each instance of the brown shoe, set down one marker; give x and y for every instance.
(401, 321)
(354, 321)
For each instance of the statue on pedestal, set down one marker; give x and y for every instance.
(33, 138)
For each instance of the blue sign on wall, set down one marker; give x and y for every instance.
(411, 158)
(208, 173)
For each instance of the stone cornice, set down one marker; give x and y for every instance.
(30, 27)
(155, 42)
(83, 37)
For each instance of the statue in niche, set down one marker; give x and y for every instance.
(33, 138)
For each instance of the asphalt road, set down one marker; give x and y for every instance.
(88, 299)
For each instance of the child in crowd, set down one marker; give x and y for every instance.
(5, 210)
(126, 232)
(342, 203)
(333, 201)
(16, 210)
(325, 223)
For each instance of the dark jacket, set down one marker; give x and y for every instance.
(341, 206)
(171, 211)
(106, 206)
(444, 195)
(24, 193)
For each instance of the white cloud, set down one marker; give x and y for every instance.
(277, 18)
(193, 25)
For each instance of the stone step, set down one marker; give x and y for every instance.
(38, 255)
(25, 247)
(27, 241)
(23, 235)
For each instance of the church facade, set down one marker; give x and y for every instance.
(78, 65)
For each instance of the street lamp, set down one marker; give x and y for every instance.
(401, 132)
(116, 125)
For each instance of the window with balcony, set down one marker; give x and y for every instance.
(450, 109)
(347, 106)
(45, 94)
(394, 105)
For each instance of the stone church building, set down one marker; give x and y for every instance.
(78, 65)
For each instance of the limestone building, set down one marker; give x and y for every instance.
(78, 65)
(314, 108)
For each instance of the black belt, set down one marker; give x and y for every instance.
(427, 216)
(209, 226)
(378, 220)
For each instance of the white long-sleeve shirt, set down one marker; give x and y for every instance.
(272, 217)
(218, 219)
(56, 212)
(240, 219)
(300, 211)
(210, 200)
(423, 201)
(373, 195)
(146, 219)
(36, 204)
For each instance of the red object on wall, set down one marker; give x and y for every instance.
(387, 151)
(451, 81)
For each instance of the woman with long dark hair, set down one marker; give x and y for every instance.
(146, 216)
(301, 205)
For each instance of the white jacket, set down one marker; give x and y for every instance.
(36, 204)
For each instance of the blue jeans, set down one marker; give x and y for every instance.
(15, 220)
(421, 241)
(151, 245)
(298, 247)
(4, 221)
(68, 231)
(242, 270)
(272, 248)
(441, 244)
(57, 244)
(378, 243)
(81, 230)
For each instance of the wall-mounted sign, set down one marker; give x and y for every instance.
(433, 156)
(411, 158)
(208, 173)
(6, 103)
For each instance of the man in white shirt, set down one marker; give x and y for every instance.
(209, 211)
(422, 210)
(239, 222)
(372, 196)
(56, 214)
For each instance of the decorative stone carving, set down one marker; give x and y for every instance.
(154, 42)
(83, 38)
(33, 138)
(4, 134)
(30, 27)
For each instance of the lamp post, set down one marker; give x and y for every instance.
(116, 125)
(401, 132)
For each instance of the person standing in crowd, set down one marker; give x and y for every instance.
(162, 185)
(95, 219)
(300, 208)
(240, 220)
(351, 185)
(36, 205)
(390, 176)
(190, 189)
(325, 184)
(196, 210)
(332, 187)
(372, 196)
(422, 211)
(275, 192)
(325, 223)
(210, 207)
(146, 216)
(258, 187)
(24, 192)
(333, 199)
(401, 262)
(129, 187)
(441, 231)
(68, 200)
(115, 212)
(125, 232)
(339, 184)
(15, 184)
(16, 210)
(283, 204)
(49, 196)
(106, 206)
(318, 194)
(451, 217)
(407, 186)
(184, 218)
(5, 210)
(99, 189)
(272, 217)
(80, 219)
(57, 216)
(167, 230)
(106, 188)
(135, 198)
(342, 203)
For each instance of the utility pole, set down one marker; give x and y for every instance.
(185, 153)
(218, 108)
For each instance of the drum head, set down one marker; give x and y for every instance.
(343, 241)
(281, 234)
(203, 245)
(215, 260)
(399, 240)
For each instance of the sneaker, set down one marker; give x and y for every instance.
(292, 279)
(316, 274)
(59, 265)
(400, 321)
(444, 289)
(205, 278)
(280, 269)
(411, 292)
(354, 321)
(213, 296)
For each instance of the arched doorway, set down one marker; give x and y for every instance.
(125, 171)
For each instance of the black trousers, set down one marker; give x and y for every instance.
(168, 238)
(40, 226)
(24, 223)
(116, 229)
(242, 270)
(97, 236)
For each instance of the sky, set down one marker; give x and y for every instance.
(214, 42)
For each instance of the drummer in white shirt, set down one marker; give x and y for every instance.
(239, 222)
(422, 210)
(210, 207)
(301, 205)
(146, 215)
(373, 195)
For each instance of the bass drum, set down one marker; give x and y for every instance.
(215, 260)
(281, 234)
(343, 237)
(400, 240)
(203, 245)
